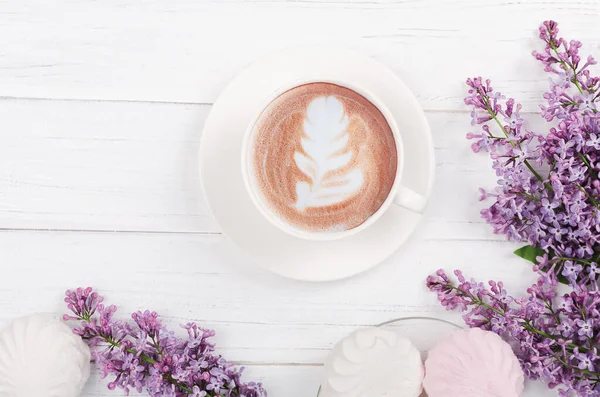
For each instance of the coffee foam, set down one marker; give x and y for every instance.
(323, 158)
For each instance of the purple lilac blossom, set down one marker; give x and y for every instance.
(145, 355)
(548, 196)
(548, 190)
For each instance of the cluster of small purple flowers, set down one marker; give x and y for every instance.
(548, 196)
(555, 338)
(144, 355)
(548, 192)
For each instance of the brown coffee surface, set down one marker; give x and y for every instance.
(323, 158)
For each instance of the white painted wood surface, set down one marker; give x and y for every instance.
(102, 105)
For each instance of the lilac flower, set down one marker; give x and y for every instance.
(586, 328)
(548, 191)
(593, 270)
(570, 269)
(196, 392)
(585, 362)
(586, 101)
(593, 141)
(566, 328)
(147, 322)
(145, 355)
(547, 196)
(548, 206)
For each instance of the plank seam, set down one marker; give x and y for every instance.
(100, 231)
(183, 103)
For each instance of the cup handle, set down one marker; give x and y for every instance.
(411, 200)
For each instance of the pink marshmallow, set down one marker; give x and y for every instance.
(473, 363)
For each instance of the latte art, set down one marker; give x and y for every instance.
(322, 158)
(326, 153)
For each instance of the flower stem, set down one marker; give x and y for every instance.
(582, 157)
(562, 258)
(526, 324)
(527, 164)
(493, 114)
(564, 64)
(588, 195)
(529, 196)
(549, 307)
(585, 371)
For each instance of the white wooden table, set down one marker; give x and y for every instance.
(102, 105)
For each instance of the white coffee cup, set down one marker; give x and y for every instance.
(399, 195)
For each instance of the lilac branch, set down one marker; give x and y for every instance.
(144, 355)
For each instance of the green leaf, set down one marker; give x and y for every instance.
(562, 279)
(529, 253)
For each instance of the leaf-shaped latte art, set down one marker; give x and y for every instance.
(41, 357)
(473, 363)
(323, 146)
(373, 362)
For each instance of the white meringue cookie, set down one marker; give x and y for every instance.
(373, 362)
(41, 357)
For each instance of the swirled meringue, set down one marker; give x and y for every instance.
(473, 363)
(40, 356)
(373, 362)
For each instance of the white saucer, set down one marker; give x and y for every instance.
(221, 166)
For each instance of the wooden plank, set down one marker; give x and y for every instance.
(78, 165)
(187, 51)
(133, 167)
(259, 317)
